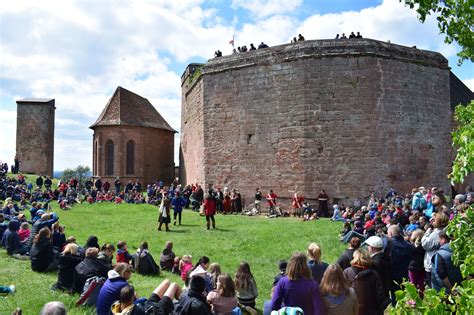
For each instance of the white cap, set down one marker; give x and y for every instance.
(374, 241)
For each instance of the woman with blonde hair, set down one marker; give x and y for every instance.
(67, 262)
(315, 264)
(212, 276)
(416, 270)
(338, 296)
(298, 288)
(366, 284)
(223, 300)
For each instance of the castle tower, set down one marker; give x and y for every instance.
(132, 141)
(348, 116)
(35, 135)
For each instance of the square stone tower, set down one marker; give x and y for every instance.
(35, 135)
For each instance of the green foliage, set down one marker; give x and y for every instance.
(80, 172)
(260, 241)
(461, 229)
(435, 303)
(455, 20)
(196, 74)
(463, 141)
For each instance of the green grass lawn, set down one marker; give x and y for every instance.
(260, 241)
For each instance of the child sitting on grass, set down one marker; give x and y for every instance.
(122, 253)
(185, 265)
(223, 300)
(24, 231)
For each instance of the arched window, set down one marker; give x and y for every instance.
(130, 157)
(109, 157)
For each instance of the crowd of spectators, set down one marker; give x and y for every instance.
(390, 239)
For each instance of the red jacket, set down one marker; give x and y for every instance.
(210, 206)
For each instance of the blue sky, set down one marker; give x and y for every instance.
(78, 52)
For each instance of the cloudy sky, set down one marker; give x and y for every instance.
(78, 52)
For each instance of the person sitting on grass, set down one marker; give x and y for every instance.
(315, 264)
(194, 302)
(167, 257)
(366, 284)
(47, 220)
(24, 232)
(223, 300)
(185, 265)
(92, 241)
(41, 253)
(212, 275)
(337, 214)
(67, 262)
(88, 268)
(246, 286)
(58, 237)
(144, 263)
(344, 260)
(298, 288)
(122, 253)
(282, 267)
(338, 296)
(110, 292)
(159, 302)
(106, 254)
(11, 240)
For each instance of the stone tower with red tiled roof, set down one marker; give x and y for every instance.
(132, 141)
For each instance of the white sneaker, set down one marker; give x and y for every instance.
(12, 289)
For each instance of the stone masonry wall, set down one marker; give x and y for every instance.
(347, 116)
(153, 158)
(191, 153)
(35, 137)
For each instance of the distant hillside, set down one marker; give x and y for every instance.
(58, 174)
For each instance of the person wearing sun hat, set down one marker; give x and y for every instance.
(381, 264)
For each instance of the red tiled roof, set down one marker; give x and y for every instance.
(126, 108)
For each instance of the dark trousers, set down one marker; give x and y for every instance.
(177, 214)
(210, 218)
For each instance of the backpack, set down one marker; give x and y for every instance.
(91, 290)
(288, 311)
(421, 204)
(183, 308)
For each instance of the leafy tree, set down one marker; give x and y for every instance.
(80, 172)
(463, 141)
(455, 20)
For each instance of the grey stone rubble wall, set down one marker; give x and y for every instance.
(349, 117)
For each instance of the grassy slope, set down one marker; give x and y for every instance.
(260, 241)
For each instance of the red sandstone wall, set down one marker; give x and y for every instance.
(35, 137)
(153, 153)
(192, 137)
(302, 118)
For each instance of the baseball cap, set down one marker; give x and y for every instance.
(374, 241)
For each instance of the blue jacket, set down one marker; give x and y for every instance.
(178, 203)
(444, 253)
(402, 252)
(110, 292)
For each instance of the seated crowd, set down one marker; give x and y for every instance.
(390, 240)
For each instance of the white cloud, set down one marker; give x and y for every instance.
(78, 53)
(390, 20)
(469, 83)
(265, 8)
